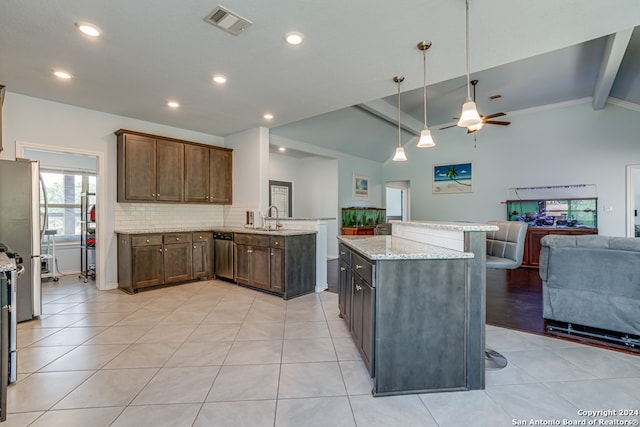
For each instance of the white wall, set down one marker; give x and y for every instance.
(564, 145)
(53, 124)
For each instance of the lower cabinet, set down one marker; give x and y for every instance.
(146, 260)
(284, 265)
(356, 298)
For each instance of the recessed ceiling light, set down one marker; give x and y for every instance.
(219, 78)
(88, 29)
(173, 104)
(61, 74)
(282, 149)
(293, 37)
(268, 116)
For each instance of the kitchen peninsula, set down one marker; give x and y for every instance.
(415, 305)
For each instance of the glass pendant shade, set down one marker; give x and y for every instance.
(469, 116)
(475, 128)
(425, 140)
(399, 156)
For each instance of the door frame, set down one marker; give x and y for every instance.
(630, 206)
(100, 199)
(405, 186)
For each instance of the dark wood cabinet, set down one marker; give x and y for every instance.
(532, 246)
(149, 169)
(159, 169)
(284, 265)
(177, 258)
(202, 257)
(146, 260)
(207, 175)
(358, 231)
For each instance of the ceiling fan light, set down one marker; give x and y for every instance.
(426, 141)
(399, 156)
(469, 116)
(475, 128)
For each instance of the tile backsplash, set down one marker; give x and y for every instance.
(157, 216)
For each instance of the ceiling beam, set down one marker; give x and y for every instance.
(389, 113)
(613, 53)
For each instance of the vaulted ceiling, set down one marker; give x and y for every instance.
(153, 51)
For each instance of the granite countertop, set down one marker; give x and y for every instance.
(396, 248)
(220, 228)
(449, 225)
(5, 264)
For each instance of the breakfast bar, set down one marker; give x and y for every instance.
(414, 303)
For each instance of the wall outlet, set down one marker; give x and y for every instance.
(607, 208)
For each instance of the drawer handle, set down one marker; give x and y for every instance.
(342, 269)
(342, 253)
(358, 267)
(249, 251)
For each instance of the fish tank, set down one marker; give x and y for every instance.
(363, 217)
(559, 213)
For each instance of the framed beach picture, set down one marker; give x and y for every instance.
(453, 178)
(360, 187)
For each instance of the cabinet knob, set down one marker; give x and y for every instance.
(358, 288)
(194, 246)
(165, 249)
(249, 251)
(147, 240)
(276, 243)
(343, 253)
(153, 195)
(160, 250)
(271, 253)
(342, 269)
(177, 239)
(206, 197)
(358, 267)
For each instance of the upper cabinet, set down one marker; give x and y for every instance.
(207, 176)
(157, 169)
(2, 89)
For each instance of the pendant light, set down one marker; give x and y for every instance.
(425, 140)
(469, 116)
(399, 156)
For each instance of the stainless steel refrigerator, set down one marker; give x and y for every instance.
(20, 229)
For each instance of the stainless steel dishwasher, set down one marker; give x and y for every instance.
(223, 255)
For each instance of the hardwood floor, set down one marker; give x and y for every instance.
(514, 299)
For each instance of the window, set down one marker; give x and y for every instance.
(63, 189)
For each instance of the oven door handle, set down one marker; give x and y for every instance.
(20, 270)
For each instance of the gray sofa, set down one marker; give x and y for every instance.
(592, 281)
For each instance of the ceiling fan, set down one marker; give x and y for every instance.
(486, 120)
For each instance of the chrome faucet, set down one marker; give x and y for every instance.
(278, 225)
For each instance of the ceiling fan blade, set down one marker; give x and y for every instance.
(447, 127)
(496, 122)
(491, 116)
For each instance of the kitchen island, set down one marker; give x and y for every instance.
(415, 305)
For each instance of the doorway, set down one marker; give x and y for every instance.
(633, 200)
(280, 196)
(397, 200)
(75, 157)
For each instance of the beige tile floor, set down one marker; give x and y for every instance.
(214, 354)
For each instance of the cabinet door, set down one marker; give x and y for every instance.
(242, 262)
(177, 262)
(146, 266)
(260, 276)
(220, 190)
(533, 245)
(368, 297)
(200, 259)
(277, 270)
(196, 178)
(139, 164)
(344, 292)
(169, 170)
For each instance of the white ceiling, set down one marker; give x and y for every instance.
(152, 51)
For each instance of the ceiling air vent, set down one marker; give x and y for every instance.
(227, 20)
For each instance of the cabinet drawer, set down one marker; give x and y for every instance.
(277, 242)
(363, 267)
(177, 238)
(345, 254)
(251, 240)
(201, 237)
(146, 240)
